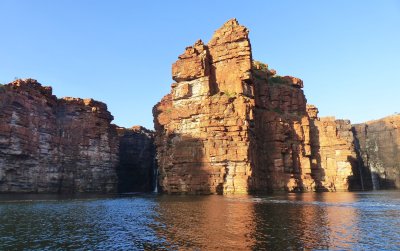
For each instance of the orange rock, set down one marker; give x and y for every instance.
(231, 125)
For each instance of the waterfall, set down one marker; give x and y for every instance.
(375, 181)
(155, 181)
(155, 177)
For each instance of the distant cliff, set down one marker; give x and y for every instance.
(231, 125)
(378, 148)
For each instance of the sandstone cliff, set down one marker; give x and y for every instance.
(333, 157)
(54, 145)
(231, 125)
(378, 147)
(202, 126)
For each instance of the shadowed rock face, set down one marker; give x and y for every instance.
(231, 125)
(136, 170)
(379, 152)
(54, 145)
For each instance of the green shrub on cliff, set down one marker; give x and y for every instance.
(2, 88)
(230, 94)
(276, 80)
(278, 110)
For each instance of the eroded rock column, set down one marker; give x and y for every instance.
(202, 126)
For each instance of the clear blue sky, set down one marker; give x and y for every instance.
(120, 52)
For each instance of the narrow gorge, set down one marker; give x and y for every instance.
(230, 125)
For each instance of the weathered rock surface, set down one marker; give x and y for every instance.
(202, 126)
(378, 147)
(231, 125)
(137, 167)
(333, 157)
(54, 145)
(281, 152)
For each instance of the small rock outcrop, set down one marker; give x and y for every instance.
(378, 148)
(137, 167)
(54, 145)
(231, 125)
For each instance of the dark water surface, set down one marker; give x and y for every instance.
(357, 221)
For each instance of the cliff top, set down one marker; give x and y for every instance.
(388, 119)
(86, 102)
(29, 84)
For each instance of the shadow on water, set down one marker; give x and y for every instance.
(303, 221)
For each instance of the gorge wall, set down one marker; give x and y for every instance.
(137, 167)
(378, 148)
(68, 145)
(231, 125)
(54, 145)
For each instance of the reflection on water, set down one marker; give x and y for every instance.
(148, 222)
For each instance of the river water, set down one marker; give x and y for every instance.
(357, 221)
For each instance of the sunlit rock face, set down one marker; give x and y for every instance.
(203, 125)
(333, 157)
(231, 125)
(54, 145)
(378, 147)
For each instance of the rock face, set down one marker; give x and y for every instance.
(231, 125)
(137, 168)
(378, 147)
(281, 151)
(54, 145)
(334, 160)
(203, 125)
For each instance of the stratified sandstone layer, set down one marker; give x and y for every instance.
(378, 147)
(203, 125)
(281, 149)
(137, 167)
(333, 157)
(231, 125)
(54, 145)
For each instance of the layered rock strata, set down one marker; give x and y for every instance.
(203, 124)
(137, 167)
(231, 125)
(333, 157)
(378, 148)
(54, 145)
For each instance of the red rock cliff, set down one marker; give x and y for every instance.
(54, 145)
(231, 125)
